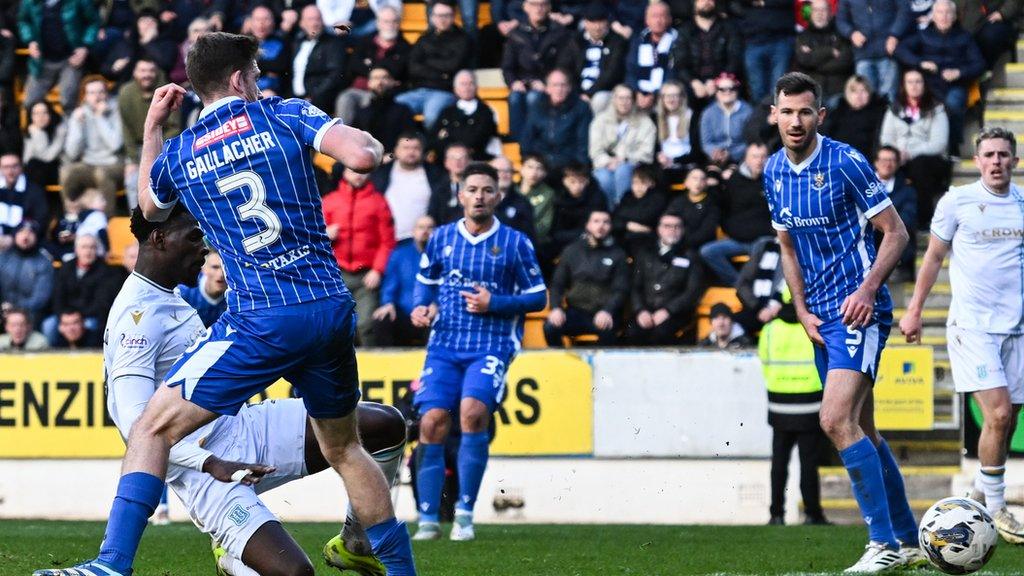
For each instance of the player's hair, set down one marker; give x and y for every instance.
(142, 229)
(888, 148)
(215, 56)
(536, 158)
(996, 132)
(795, 83)
(482, 168)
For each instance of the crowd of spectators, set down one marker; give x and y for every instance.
(642, 131)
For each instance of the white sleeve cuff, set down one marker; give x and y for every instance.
(538, 288)
(939, 236)
(424, 280)
(189, 455)
(778, 226)
(877, 208)
(157, 201)
(323, 132)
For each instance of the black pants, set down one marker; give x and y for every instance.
(809, 442)
(663, 334)
(577, 322)
(398, 332)
(930, 176)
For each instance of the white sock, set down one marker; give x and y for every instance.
(390, 461)
(990, 480)
(236, 567)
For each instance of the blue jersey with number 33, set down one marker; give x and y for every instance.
(244, 171)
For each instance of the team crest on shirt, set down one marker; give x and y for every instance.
(495, 250)
(778, 185)
(819, 180)
(448, 250)
(981, 207)
(238, 515)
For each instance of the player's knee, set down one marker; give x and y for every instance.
(833, 424)
(999, 417)
(473, 419)
(434, 426)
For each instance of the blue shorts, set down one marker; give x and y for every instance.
(311, 345)
(449, 376)
(852, 349)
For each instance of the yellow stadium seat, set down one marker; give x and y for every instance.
(323, 162)
(533, 330)
(512, 152)
(711, 297)
(120, 235)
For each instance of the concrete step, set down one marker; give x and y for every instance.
(1000, 96)
(929, 317)
(966, 167)
(1020, 50)
(1012, 120)
(1015, 74)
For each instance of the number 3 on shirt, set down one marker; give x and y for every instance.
(255, 208)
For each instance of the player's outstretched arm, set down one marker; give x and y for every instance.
(795, 281)
(858, 307)
(166, 100)
(910, 324)
(354, 148)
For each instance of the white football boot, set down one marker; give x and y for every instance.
(878, 557)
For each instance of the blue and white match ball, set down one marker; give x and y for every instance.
(958, 535)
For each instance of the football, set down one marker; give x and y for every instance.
(958, 535)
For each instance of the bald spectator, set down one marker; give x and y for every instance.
(558, 127)
(444, 198)
(468, 121)
(318, 61)
(596, 56)
(822, 52)
(386, 49)
(85, 283)
(274, 58)
(708, 45)
(18, 334)
(531, 52)
(406, 183)
(950, 60)
(437, 56)
(26, 273)
(514, 210)
(382, 116)
(649, 61)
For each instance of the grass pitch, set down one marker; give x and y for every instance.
(518, 550)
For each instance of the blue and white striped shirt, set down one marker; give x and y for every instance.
(825, 203)
(500, 259)
(244, 171)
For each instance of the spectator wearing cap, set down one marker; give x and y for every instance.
(26, 272)
(388, 49)
(18, 333)
(822, 52)
(769, 29)
(318, 61)
(589, 287)
(468, 121)
(722, 123)
(708, 46)
(875, 27)
(726, 333)
(621, 138)
(596, 57)
(437, 56)
(650, 59)
(531, 52)
(667, 286)
(558, 127)
(20, 199)
(58, 36)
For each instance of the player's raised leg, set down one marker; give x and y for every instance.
(846, 392)
(999, 415)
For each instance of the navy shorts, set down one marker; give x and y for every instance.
(449, 376)
(311, 345)
(858, 349)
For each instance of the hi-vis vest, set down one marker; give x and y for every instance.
(794, 388)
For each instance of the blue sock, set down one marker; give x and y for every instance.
(163, 496)
(473, 453)
(903, 523)
(137, 496)
(391, 545)
(430, 481)
(862, 463)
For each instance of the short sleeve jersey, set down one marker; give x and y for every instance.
(244, 170)
(824, 203)
(502, 260)
(986, 269)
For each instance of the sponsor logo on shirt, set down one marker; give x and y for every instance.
(237, 125)
(134, 341)
(790, 221)
(1003, 233)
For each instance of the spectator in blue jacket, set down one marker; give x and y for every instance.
(650, 60)
(557, 128)
(769, 28)
(874, 27)
(391, 323)
(207, 297)
(950, 60)
(721, 124)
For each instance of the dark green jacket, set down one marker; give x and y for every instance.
(81, 24)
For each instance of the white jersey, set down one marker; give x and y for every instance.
(986, 232)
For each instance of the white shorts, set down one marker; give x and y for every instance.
(983, 361)
(271, 433)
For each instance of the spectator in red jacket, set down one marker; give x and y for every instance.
(362, 234)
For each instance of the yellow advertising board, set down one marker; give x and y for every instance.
(53, 405)
(904, 393)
